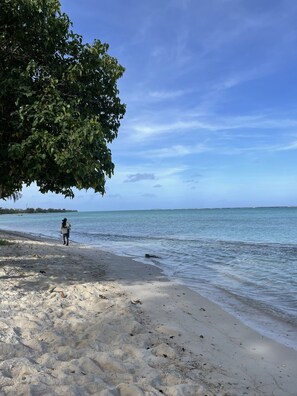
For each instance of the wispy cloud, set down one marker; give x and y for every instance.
(286, 147)
(144, 129)
(139, 177)
(255, 148)
(176, 151)
(241, 76)
(231, 142)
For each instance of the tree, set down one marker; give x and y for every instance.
(59, 102)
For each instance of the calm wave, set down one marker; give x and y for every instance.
(243, 259)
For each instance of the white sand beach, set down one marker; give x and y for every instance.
(80, 321)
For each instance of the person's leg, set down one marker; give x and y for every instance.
(64, 239)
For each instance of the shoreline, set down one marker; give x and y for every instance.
(122, 328)
(270, 326)
(249, 278)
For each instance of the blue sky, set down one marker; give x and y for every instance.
(210, 88)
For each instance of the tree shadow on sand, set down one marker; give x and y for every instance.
(33, 263)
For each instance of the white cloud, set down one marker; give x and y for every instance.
(287, 147)
(139, 177)
(176, 151)
(212, 123)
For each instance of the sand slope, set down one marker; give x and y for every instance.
(76, 321)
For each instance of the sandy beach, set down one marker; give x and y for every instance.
(79, 321)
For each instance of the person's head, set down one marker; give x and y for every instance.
(64, 222)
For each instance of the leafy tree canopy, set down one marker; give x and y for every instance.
(59, 102)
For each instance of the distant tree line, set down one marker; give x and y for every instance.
(33, 210)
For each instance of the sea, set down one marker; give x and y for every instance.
(243, 259)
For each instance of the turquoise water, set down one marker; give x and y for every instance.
(243, 259)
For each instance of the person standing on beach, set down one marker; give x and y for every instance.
(65, 231)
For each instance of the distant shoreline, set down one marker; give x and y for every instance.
(51, 210)
(33, 210)
(202, 209)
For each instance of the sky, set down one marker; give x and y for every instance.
(210, 90)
